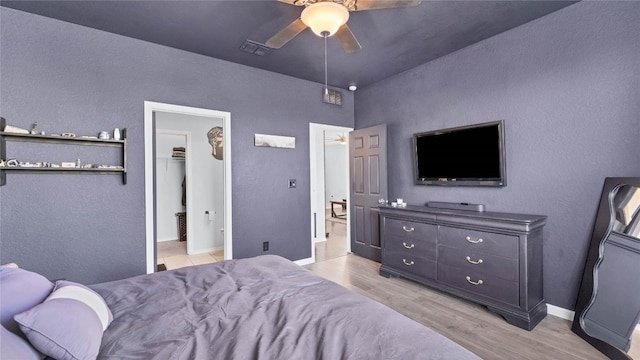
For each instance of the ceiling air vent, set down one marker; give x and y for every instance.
(254, 48)
(330, 96)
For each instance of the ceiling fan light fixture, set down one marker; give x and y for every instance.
(325, 16)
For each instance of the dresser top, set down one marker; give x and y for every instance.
(528, 221)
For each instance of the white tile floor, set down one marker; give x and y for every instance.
(173, 254)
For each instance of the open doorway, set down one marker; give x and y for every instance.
(205, 186)
(329, 191)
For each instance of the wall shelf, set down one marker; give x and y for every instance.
(8, 136)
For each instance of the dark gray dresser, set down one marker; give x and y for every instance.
(494, 259)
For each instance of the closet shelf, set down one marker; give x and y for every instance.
(169, 158)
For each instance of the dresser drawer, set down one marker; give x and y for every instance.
(473, 261)
(479, 241)
(411, 246)
(411, 229)
(416, 265)
(479, 283)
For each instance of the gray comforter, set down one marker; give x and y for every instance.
(259, 308)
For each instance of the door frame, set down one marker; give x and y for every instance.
(316, 181)
(149, 164)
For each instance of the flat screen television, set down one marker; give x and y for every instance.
(472, 155)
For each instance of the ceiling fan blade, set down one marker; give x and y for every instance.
(295, 2)
(383, 4)
(285, 35)
(349, 42)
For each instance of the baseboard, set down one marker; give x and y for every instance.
(567, 314)
(174, 238)
(303, 262)
(204, 251)
(560, 312)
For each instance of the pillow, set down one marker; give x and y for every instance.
(13, 346)
(21, 290)
(68, 324)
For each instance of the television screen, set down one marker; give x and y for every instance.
(464, 156)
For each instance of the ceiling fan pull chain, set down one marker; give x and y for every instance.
(326, 85)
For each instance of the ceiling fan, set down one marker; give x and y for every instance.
(340, 138)
(329, 17)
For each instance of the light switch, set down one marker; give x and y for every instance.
(292, 183)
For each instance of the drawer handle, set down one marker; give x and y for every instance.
(407, 229)
(474, 241)
(407, 246)
(479, 282)
(473, 262)
(409, 263)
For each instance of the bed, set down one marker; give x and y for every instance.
(259, 308)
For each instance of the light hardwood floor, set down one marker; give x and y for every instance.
(470, 325)
(336, 243)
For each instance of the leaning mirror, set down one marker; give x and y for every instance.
(608, 304)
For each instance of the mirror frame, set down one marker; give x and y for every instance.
(601, 230)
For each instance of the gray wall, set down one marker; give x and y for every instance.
(336, 159)
(91, 228)
(567, 86)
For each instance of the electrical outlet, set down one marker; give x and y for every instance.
(292, 183)
(265, 246)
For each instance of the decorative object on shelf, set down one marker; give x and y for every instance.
(67, 164)
(68, 134)
(288, 142)
(116, 134)
(15, 130)
(215, 137)
(12, 163)
(34, 129)
(104, 135)
(399, 203)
